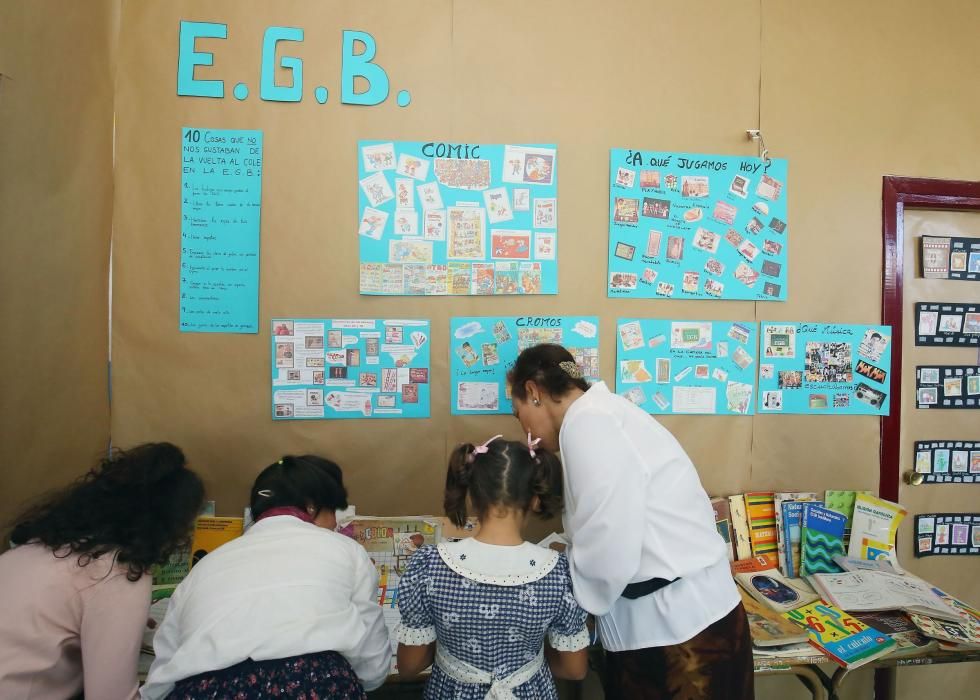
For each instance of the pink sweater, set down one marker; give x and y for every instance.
(57, 616)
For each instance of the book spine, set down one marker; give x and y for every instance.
(740, 525)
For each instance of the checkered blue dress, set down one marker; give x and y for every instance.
(497, 628)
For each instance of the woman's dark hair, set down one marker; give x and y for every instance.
(140, 502)
(299, 482)
(549, 366)
(506, 475)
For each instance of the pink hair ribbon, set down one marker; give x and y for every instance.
(481, 449)
(531, 444)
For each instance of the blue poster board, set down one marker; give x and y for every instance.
(441, 218)
(220, 207)
(483, 349)
(349, 368)
(827, 368)
(687, 367)
(690, 226)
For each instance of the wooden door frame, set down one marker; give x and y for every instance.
(897, 195)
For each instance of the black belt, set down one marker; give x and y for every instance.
(642, 588)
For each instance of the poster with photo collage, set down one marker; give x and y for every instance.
(824, 368)
(692, 226)
(457, 218)
(483, 349)
(947, 533)
(350, 368)
(948, 461)
(687, 367)
(947, 324)
(947, 386)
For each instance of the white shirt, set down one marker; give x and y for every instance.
(284, 588)
(635, 510)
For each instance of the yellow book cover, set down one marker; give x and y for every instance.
(210, 533)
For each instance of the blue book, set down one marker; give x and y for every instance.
(792, 515)
(822, 538)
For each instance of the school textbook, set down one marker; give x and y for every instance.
(775, 591)
(869, 591)
(768, 628)
(846, 640)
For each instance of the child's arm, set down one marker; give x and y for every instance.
(412, 660)
(567, 665)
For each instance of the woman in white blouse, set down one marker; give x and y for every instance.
(289, 605)
(645, 557)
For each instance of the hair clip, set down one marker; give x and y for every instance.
(481, 449)
(265, 493)
(571, 369)
(280, 461)
(531, 444)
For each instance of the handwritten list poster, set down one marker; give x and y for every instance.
(221, 200)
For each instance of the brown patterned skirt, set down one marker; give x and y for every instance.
(716, 664)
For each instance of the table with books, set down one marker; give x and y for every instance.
(805, 591)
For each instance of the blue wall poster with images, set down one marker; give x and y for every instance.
(457, 218)
(483, 349)
(687, 367)
(220, 212)
(350, 368)
(828, 368)
(691, 226)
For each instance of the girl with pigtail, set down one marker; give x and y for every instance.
(494, 613)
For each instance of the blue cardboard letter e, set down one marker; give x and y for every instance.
(188, 58)
(355, 65)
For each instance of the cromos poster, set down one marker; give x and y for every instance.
(350, 368)
(457, 218)
(692, 226)
(483, 349)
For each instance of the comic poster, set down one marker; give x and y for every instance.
(692, 226)
(350, 368)
(457, 218)
(688, 367)
(824, 368)
(483, 349)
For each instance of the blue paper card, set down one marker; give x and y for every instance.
(350, 368)
(699, 367)
(221, 204)
(824, 368)
(691, 226)
(483, 349)
(441, 218)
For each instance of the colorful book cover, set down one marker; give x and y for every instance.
(210, 533)
(773, 590)
(769, 628)
(752, 564)
(821, 538)
(782, 543)
(740, 526)
(761, 510)
(846, 640)
(792, 517)
(843, 502)
(723, 521)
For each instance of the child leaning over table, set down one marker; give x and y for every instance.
(481, 608)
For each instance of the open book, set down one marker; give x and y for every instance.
(866, 591)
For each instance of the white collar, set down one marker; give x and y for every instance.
(596, 392)
(498, 564)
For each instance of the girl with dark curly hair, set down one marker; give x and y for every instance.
(76, 586)
(481, 608)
